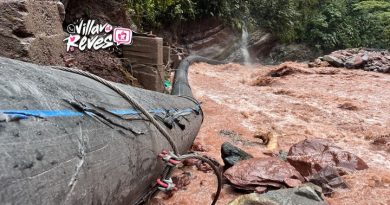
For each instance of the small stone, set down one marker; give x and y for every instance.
(260, 189)
(292, 182)
(197, 147)
(231, 154)
(38, 155)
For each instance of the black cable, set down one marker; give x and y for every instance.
(216, 170)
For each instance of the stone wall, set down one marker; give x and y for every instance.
(32, 31)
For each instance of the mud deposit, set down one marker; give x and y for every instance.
(293, 102)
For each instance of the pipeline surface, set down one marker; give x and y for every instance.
(67, 139)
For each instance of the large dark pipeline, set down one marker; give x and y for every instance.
(181, 87)
(68, 139)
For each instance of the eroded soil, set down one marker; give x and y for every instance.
(349, 107)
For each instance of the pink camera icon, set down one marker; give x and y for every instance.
(122, 36)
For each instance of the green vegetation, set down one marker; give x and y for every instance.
(326, 24)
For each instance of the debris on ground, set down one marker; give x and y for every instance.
(270, 138)
(310, 156)
(102, 63)
(366, 59)
(307, 194)
(263, 173)
(231, 154)
(182, 180)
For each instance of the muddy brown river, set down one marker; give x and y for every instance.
(349, 107)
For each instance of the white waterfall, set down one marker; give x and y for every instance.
(244, 46)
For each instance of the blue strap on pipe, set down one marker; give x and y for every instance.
(24, 114)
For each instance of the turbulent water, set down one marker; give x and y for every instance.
(244, 46)
(349, 114)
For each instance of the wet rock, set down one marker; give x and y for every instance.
(319, 62)
(312, 155)
(291, 52)
(355, 62)
(282, 155)
(365, 59)
(231, 154)
(260, 189)
(31, 31)
(334, 61)
(382, 142)
(310, 192)
(253, 199)
(328, 179)
(307, 194)
(209, 37)
(262, 172)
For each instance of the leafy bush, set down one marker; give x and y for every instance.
(376, 16)
(277, 16)
(149, 14)
(155, 13)
(326, 24)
